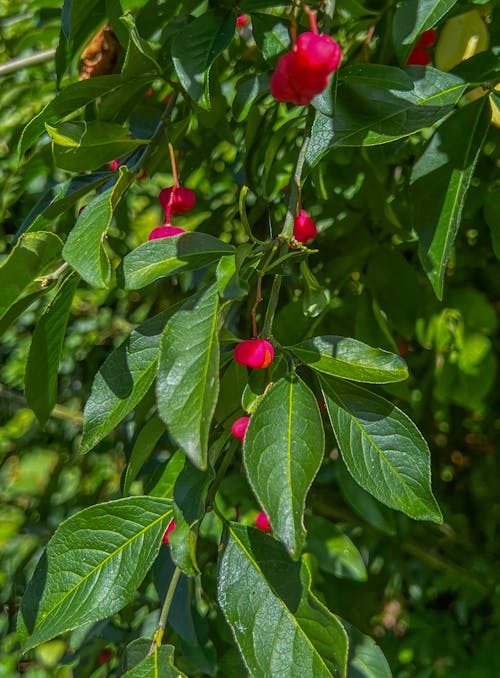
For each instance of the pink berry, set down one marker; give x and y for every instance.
(262, 522)
(304, 228)
(304, 72)
(242, 20)
(165, 232)
(114, 164)
(170, 528)
(183, 199)
(255, 353)
(239, 427)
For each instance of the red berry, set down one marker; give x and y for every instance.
(170, 528)
(165, 232)
(304, 228)
(239, 427)
(318, 52)
(104, 657)
(183, 199)
(418, 57)
(428, 38)
(242, 20)
(303, 72)
(255, 353)
(262, 522)
(114, 164)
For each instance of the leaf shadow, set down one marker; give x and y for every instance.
(34, 592)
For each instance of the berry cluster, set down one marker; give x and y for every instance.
(303, 73)
(419, 56)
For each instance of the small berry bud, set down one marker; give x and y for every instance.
(114, 164)
(239, 427)
(255, 353)
(165, 232)
(304, 228)
(262, 522)
(183, 199)
(170, 528)
(242, 20)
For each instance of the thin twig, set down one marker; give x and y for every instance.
(160, 629)
(24, 62)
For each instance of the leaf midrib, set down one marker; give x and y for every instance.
(279, 599)
(350, 363)
(95, 569)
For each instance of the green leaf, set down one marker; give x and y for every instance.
(92, 566)
(40, 378)
(122, 381)
(248, 90)
(60, 198)
(84, 249)
(439, 183)
(364, 114)
(158, 664)
(271, 33)
(190, 494)
(382, 448)
(188, 373)
(195, 48)
(83, 145)
(139, 59)
(335, 552)
(351, 359)
(412, 18)
(143, 446)
(366, 659)
(282, 451)
(71, 98)
(164, 256)
(280, 627)
(29, 258)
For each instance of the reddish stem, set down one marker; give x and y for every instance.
(311, 13)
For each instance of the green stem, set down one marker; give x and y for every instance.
(267, 328)
(287, 231)
(221, 472)
(160, 629)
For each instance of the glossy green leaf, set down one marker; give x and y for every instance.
(282, 451)
(83, 145)
(366, 659)
(84, 249)
(139, 59)
(29, 258)
(382, 448)
(280, 627)
(66, 102)
(144, 445)
(195, 48)
(271, 33)
(92, 566)
(412, 18)
(165, 256)
(158, 664)
(351, 359)
(371, 114)
(122, 381)
(439, 183)
(189, 494)
(188, 373)
(334, 551)
(40, 377)
(60, 198)
(248, 90)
